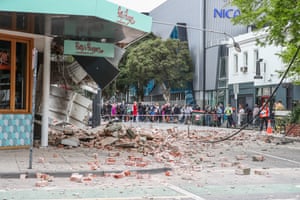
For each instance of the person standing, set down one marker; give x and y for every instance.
(228, 113)
(113, 110)
(134, 111)
(219, 111)
(187, 113)
(241, 115)
(255, 115)
(264, 115)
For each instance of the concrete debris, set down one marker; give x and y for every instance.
(71, 141)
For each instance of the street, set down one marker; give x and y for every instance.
(249, 166)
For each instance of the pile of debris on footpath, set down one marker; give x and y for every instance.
(146, 140)
(182, 149)
(111, 135)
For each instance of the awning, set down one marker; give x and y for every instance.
(93, 19)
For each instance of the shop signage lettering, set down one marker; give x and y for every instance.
(226, 13)
(124, 18)
(86, 48)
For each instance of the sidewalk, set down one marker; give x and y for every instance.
(61, 162)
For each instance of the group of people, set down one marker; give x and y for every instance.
(144, 112)
(258, 116)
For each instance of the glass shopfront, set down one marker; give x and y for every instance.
(15, 73)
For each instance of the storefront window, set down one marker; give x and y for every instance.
(15, 73)
(21, 75)
(5, 71)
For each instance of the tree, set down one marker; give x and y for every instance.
(174, 69)
(281, 18)
(167, 62)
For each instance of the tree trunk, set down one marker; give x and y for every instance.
(166, 93)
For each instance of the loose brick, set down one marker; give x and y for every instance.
(41, 183)
(118, 175)
(127, 173)
(168, 173)
(240, 157)
(141, 164)
(258, 158)
(75, 177)
(110, 161)
(243, 171)
(205, 159)
(129, 163)
(226, 164)
(260, 172)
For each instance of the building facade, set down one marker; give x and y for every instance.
(254, 73)
(206, 22)
(33, 31)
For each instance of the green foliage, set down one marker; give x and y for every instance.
(295, 115)
(167, 62)
(282, 19)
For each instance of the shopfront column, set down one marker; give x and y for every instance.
(46, 84)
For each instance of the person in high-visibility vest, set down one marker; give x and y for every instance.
(264, 115)
(228, 113)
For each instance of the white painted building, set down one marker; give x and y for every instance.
(253, 74)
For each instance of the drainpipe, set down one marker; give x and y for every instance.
(46, 83)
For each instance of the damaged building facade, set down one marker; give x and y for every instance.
(49, 46)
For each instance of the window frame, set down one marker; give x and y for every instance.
(245, 58)
(29, 74)
(236, 63)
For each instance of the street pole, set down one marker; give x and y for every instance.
(34, 66)
(96, 116)
(204, 54)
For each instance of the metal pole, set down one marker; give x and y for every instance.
(96, 118)
(100, 104)
(204, 54)
(34, 66)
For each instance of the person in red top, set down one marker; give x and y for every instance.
(264, 115)
(134, 110)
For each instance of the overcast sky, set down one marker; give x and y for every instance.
(139, 5)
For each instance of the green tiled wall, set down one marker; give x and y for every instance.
(15, 129)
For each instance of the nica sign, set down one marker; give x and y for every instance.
(226, 13)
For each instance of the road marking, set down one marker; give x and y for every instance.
(276, 157)
(127, 198)
(185, 192)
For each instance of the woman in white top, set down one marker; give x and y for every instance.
(241, 114)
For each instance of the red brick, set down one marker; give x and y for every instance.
(261, 172)
(258, 158)
(75, 177)
(41, 183)
(118, 175)
(226, 164)
(242, 171)
(127, 173)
